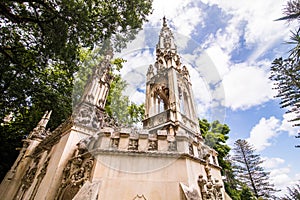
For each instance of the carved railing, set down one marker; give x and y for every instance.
(157, 120)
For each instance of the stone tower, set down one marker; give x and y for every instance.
(90, 156)
(169, 103)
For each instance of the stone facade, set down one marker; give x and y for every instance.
(91, 157)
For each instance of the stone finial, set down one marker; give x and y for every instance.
(40, 130)
(45, 119)
(164, 21)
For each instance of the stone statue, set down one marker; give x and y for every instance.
(152, 145)
(133, 144)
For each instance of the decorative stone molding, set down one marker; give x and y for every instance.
(76, 173)
(27, 178)
(172, 144)
(141, 197)
(89, 191)
(210, 189)
(40, 178)
(40, 132)
(133, 144)
(190, 193)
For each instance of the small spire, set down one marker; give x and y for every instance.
(40, 129)
(164, 21)
(44, 121)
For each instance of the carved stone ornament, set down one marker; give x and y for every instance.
(40, 132)
(27, 179)
(40, 178)
(152, 145)
(150, 70)
(89, 191)
(139, 197)
(133, 144)
(87, 116)
(104, 71)
(172, 145)
(76, 173)
(190, 193)
(191, 149)
(210, 189)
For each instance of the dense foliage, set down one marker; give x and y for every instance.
(40, 51)
(215, 135)
(286, 71)
(119, 106)
(246, 165)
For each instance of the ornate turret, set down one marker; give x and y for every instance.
(89, 113)
(169, 94)
(166, 39)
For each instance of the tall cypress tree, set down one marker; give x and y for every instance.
(247, 166)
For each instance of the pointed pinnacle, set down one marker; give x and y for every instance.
(45, 119)
(164, 21)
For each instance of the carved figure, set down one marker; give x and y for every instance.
(185, 72)
(152, 145)
(114, 143)
(133, 144)
(150, 69)
(172, 146)
(75, 174)
(191, 149)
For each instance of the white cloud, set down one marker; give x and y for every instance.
(138, 97)
(260, 28)
(246, 86)
(280, 176)
(288, 126)
(134, 71)
(183, 14)
(263, 132)
(219, 58)
(202, 92)
(270, 163)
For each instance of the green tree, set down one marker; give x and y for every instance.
(119, 106)
(248, 170)
(246, 194)
(286, 71)
(40, 51)
(230, 182)
(215, 135)
(40, 42)
(293, 193)
(136, 112)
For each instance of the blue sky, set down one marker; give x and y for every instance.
(228, 47)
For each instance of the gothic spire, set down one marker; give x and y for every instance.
(166, 39)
